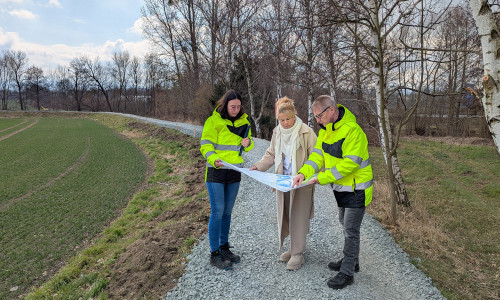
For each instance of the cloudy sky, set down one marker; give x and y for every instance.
(52, 32)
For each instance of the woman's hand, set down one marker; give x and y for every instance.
(245, 142)
(218, 163)
(253, 168)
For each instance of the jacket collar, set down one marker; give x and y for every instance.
(344, 116)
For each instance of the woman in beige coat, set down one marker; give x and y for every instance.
(291, 144)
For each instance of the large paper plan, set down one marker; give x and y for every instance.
(282, 183)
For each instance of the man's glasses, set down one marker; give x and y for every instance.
(320, 115)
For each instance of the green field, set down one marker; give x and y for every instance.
(61, 182)
(8, 124)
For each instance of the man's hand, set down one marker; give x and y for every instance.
(297, 180)
(245, 142)
(313, 181)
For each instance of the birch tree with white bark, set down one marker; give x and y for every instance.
(487, 27)
(380, 22)
(248, 43)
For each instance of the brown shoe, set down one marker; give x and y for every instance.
(295, 262)
(285, 256)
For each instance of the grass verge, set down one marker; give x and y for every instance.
(451, 229)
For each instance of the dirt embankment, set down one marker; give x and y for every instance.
(151, 265)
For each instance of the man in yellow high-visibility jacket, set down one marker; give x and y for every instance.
(342, 149)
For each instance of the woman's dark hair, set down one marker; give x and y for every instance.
(223, 101)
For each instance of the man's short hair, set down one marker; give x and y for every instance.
(324, 101)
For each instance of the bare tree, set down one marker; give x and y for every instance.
(333, 58)
(212, 12)
(227, 37)
(192, 27)
(17, 61)
(381, 18)
(174, 27)
(62, 88)
(456, 38)
(78, 80)
(5, 78)
(245, 13)
(306, 22)
(152, 75)
(99, 74)
(51, 83)
(119, 72)
(219, 40)
(276, 29)
(360, 76)
(35, 84)
(487, 27)
(135, 77)
(161, 28)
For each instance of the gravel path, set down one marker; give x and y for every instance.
(386, 271)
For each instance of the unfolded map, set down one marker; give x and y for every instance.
(282, 183)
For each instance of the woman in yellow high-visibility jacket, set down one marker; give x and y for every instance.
(226, 134)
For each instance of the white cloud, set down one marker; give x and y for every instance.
(55, 3)
(8, 38)
(137, 27)
(11, 1)
(106, 50)
(80, 21)
(23, 14)
(50, 56)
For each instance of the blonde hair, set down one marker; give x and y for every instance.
(285, 106)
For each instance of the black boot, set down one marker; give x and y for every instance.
(340, 281)
(218, 261)
(228, 255)
(335, 266)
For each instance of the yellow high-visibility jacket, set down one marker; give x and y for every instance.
(342, 148)
(221, 139)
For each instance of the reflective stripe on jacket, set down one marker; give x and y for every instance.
(221, 139)
(342, 148)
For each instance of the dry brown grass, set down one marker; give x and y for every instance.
(443, 230)
(413, 223)
(415, 231)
